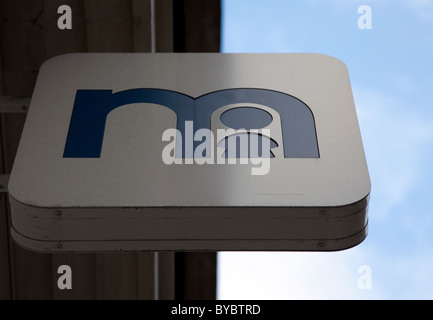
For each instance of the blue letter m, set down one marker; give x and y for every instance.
(87, 127)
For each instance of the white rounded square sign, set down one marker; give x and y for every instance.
(190, 152)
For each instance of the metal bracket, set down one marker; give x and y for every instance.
(4, 179)
(9, 104)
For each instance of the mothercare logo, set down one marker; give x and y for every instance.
(251, 125)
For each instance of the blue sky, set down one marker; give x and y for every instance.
(390, 68)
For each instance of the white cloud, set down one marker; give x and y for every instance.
(423, 8)
(292, 276)
(396, 138)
